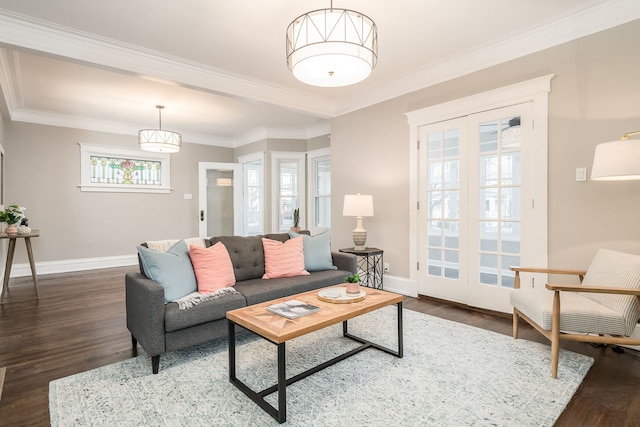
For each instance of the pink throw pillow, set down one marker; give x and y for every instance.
(283, 259)
(213, 267)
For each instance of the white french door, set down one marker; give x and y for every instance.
(477, 211)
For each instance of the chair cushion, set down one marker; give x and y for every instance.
(619, 270)
(577, 313)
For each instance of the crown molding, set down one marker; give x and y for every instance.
(119, 128)
(260, 134)
(6, 83)
(30, 33)
(589, 18)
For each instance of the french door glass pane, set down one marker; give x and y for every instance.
(451, 174)
(510, 203)
(510, 169)
(451, 204)
(511, 237)
(511, 132)
(435, 233)
(488, 136)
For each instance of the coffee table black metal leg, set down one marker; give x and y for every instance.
(280, 414)
(232, 350)
(282, 384)
(367, 344)
(400, 342)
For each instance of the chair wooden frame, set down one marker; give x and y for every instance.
(555, 335)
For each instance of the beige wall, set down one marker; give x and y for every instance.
(595, 97)
(43, 173)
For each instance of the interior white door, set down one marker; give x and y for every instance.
(220, 199)
(477, 206)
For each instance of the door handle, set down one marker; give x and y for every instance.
(201, 215)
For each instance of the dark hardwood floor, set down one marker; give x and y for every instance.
(79, 324)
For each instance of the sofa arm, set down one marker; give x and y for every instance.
(145, 312)
(345, 261)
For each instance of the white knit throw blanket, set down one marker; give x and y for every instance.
(196, 298)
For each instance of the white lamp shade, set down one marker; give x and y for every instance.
(332, 47)
(358, 205)
(616, 161)
(159, 141)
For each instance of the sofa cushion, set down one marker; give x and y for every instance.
(246, 253)
(206, 311)
(257, 290)
(283, 259)
(212, 267)
(171, 269)
(317, 251)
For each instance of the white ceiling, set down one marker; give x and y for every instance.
(219, 67)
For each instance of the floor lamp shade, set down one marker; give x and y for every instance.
(616, 161)
(358, 205)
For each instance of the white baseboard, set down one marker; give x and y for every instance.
(70, 265)
(400, 285)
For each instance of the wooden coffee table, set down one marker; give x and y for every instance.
(279, 330)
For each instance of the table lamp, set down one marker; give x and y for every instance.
(358, 205)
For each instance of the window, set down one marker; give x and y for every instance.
(253, 193)
(116, 169)
(319, 203)
(288, 178)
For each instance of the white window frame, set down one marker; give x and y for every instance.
(250, 158)
(88, 150)
(277, 157)
(313, 157)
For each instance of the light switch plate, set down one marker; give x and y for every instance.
(581, 174)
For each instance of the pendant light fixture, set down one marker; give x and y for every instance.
(332, 47)
(158, 140)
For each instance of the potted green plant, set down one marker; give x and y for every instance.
(353, 284)
(296, 220)
(12, 216)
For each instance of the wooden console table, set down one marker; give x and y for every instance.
(11, 251)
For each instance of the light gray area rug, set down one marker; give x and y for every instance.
(451, 375)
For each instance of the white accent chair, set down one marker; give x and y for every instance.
(604, 308)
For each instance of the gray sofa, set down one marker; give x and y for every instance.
(160, 328)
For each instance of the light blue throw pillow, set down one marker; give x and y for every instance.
(171, 269)
(317, 251)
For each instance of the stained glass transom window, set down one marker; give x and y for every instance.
(113, 170)
(123, 170)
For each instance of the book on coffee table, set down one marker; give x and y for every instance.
(292, 309)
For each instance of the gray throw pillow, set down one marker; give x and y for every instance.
(171, 269)
(317, 251)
